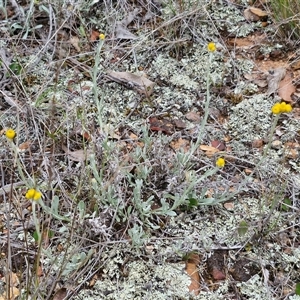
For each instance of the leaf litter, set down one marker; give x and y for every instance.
(215, 226)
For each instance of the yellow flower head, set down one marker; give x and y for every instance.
(10, 134)
(220, 162)
(211, 47)
(285, 107)
(33, 194)
(276, 109)
(282, 107)
(101, 36)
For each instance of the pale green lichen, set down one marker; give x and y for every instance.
(294, 297)
(229, 18)
(251, 119)
(292, 259)
(219, 294)
(244, 66)
(184, 81)
(145, 280)
(290, 128)
(255, 289)
(173, 8)
(243, 87)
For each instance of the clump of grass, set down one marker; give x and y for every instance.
(287, 14)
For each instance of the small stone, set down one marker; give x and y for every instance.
(276, 144)
(257, 143)
(179, 124)
(193, 116)
(229, 205)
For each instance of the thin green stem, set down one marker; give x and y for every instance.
(271, 135)
(206, 110)
(99, 103)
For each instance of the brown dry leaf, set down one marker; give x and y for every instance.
(218, 145)
(78, 155)
(133, 136)
(217, 274)
(209, 150)
(74, 41)
(93, 280)
(250, 16)
(94, 36)
(60, 294)
(14, 293)
(138, 82)
(248, 171)
(257, 79)
(286, 88)
(163, 125)
(257, 143)
(215, 264)
(86, 136)
(254, 14)
(40, 271)
(264, 24)
(25, 145)
(193, 116)
(232, 189)
(13, 278)
(292, 145)
(135, 139)
(192, 271)
(292, 150)
(180, 143)
(296, 65)
(179, 124)
(258, 12)
(292, 153)
(274, 77)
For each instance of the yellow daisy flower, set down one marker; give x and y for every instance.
(285, 107)
(220, 162)
(276, 108)
(282, 107)
(10, 134)
(211, 47)
(33, 194)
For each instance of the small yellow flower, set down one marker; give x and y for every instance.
(282, 107)
(33, 194)
(10, 134)
(285, 107)
(288, 108)
(220, 162)
(276, 108)
(30, 193)
(101, 36)
(211, 47)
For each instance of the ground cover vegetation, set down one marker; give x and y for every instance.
(149, 149)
